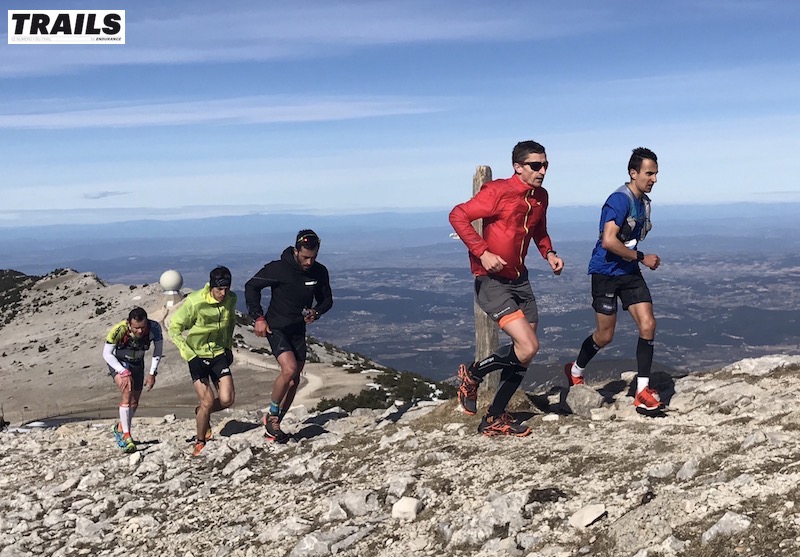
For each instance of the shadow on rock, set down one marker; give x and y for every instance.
(309, 432)
(522, 416)
(325, 417)
(544, 402)
(148, 443)
(394, 414)
(609, 391)
(235, 426)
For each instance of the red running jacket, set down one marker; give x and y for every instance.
(513, 213)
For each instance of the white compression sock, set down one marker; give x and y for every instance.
(125, 418)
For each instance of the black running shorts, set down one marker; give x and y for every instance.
(630, 289)
(499, 297)
(295, 342)
(137, 373)
(215, 368)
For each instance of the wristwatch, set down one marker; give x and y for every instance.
(639, 256)
(548, 252)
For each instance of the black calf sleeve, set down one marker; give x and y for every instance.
(510, 380)
(588, 351)
(644, 357)
(504, 358)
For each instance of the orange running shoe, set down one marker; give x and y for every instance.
(198, 447)
(468, 391)
(648, 399)
(492, 426)
(571, 379)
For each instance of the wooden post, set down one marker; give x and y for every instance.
(486, 341)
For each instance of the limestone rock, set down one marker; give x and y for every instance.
(587, 516)
(406, 508)
(582, 399)
(730, 523)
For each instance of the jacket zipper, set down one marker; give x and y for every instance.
(525, 227)
(219, 327)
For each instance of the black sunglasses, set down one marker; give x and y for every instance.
(535, 166)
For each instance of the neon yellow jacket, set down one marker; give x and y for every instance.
(209, 322)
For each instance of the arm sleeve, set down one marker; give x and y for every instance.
(324, 296)
(111, 359)
(182, 320)
(253, 288)
(483, 205)
(158, 346)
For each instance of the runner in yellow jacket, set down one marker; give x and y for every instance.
(209, 316)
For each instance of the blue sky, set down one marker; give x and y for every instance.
(351, 106)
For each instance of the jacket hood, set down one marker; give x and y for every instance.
(207, 295)
(288, 257)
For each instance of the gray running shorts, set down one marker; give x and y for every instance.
(499, 297)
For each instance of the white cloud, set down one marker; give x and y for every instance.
(66, 114)
(103, 194)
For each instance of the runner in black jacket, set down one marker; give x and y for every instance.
(297, 281)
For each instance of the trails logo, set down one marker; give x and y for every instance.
(66, 26)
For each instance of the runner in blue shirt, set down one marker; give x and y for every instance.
(614, 268)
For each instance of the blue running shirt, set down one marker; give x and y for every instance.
(616, 208)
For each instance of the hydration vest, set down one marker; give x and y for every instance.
(626, 231)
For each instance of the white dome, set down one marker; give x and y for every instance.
(171, 280)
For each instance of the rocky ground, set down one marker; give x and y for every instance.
(715, 475)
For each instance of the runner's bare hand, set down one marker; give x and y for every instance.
(261, 328)
(556, 263)
(123, 382)
(492, 262)
(150, 381)
(651, 261)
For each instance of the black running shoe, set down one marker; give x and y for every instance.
(273, 431)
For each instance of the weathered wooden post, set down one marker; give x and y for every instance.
(486, 341)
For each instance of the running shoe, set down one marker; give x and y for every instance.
(118, 436)
(648, 399)
(209, 434)
(571, 379)
(198, 448)
(273, 431)
(467, 391)
(504, 424)
(128, 446)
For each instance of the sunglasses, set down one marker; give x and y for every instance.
(535, 166)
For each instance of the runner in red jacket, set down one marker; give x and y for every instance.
(514, 213)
